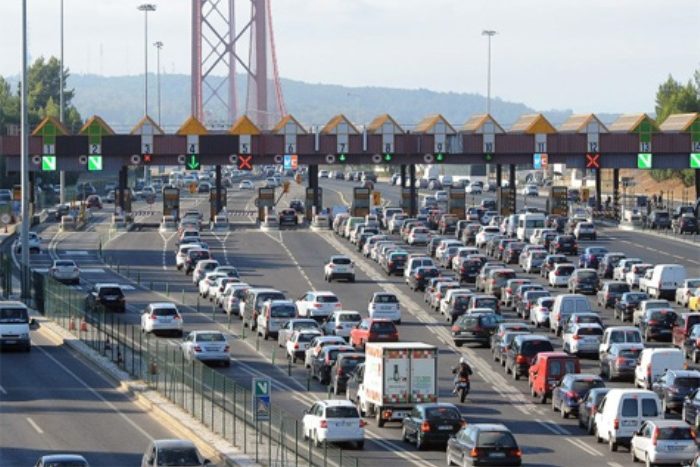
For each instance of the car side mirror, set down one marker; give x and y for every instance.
(33, 324)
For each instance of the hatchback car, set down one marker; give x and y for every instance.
(573, 388)
(673, 386)
(65, 270)
(172, 452)
(336, 421)
(475, 327)
(339, 267)
(340, 323)
(483, 444)
(107, 296)
(663, 442)
(161, 318)
(385, 305)
(583, 281)
(373, 330)
(431, 424)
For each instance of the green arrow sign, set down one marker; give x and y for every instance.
(94, 163)
(193, 162)
(262, 387)
(48, 163)
(695, 160)
(644, 160)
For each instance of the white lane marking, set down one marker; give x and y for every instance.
(292, 258)
(96, 394)
(76, 253)
(341, 196)
(579, 444)
(614, 464)
(35, 426)
(93, 270)
(222, 241)
(553, 427)
(165, 247)
(2, 390)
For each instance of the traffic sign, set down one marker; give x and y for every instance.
(244, 162)
(94, 163)
(193, 162)
(261, 398)
(592, 161)
(695, 160)
(290, 162)
(342, 158)
(644, 160)
(48, 163)
(537, 161)
(544, 157)
(439, 158)
(147, 159)
(376, 198)
(388, 157)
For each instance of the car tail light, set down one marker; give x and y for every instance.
(177, 317)
(425, 427)
(391, 264)
(323, 424)
(652, 322)
(649, 369)
(197, 348)
(340, 371)
(474, 452)
(455, 328)
(655, 436)
(296, 346)
(619, 360)
(616, 423)
(520, 359)
(576, 337)
(363, 423)
(571, 395)
(317, 305)
(226, 348)
(419, 276)
(339, 327)
(331, 266)
(516, 453)
(154, 317)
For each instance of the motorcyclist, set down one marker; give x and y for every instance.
(462, 372)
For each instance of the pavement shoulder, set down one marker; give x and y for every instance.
(153, 403)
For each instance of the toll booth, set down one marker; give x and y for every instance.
(360, 201)
(126, 199)
(314, 197)
(505, 198)
(406, 199)
(171, 202)
(212, 201)
(456, 202)
(266, 199)
(558, 200)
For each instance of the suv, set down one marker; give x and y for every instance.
(658, 220)
(339, 267)
(563, 244)
(522, 352)
(109, 296)
(475, 327)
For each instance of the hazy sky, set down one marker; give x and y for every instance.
(587, 55)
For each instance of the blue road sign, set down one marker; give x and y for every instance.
(261, 398)
(287, 162)
(537, 161)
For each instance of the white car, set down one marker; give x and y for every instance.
(339, 267)
(485, 234)
(539, 313)
(217, 289)
(161, 317)
(418, 236)
(396, 223)
(664, 442)
(65, 270)
(530, 190)
(203, 267)
(270, 182)
(298, 342)
(462, 252)
(181, 255)
(644, 280)
(385, 305)
(246, 185)
(340, 323)
(318, 343)
(207, 346)
(585, 230)
(684, 292)
(232, 297)
(318, 304)
(209, 281)
(474, 189)
(34, 243)
(559, 276)
(582, 338)
(334, 421)
(623, 267)
(636, 272)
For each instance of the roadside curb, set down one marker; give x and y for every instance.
(153, 403)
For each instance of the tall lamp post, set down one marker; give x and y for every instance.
(24, 151)
(488, 33)
(146, 7)
(158, 45)
(61, 106)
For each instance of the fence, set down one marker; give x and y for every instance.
(214, 399)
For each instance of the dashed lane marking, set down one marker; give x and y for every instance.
(292, 258)
(35, 426)
(76, 253)
(165, 248)
(581, 445)
(2, 390)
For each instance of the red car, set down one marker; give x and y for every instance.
(373, 330)
(547, 370)
(93, 202)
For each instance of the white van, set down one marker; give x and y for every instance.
(653, 362)
(527, 223)
(665, 279)
(415, 263)
(618, 335)
(15, 325)
(622, 412)
(564, 306)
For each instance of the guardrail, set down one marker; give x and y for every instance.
(214, 399)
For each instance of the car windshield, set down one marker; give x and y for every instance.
(385, 299)
(210, 337)
(687, 382)
(283, 311)
(342, 412)
(582, 386)
(442, 413)
(13, 315)
(178, 457)
(500, 439)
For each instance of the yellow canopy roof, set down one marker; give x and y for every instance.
(532, 124)
(679, 122)
(476, 123)
(630, 122)
(244, 126)
(335, 121)
(192, 126)
(579, 122)
(376, 125)
(428, 124)
(96, 120)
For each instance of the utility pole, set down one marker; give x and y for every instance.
(489, 33)
(146, 7)
(24, 150)
(61, 106)
(158, 45)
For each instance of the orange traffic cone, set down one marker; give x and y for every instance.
(83, 326)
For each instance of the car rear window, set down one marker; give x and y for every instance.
(283, 311)
(165, 312)
(110, 291)
(587, 275)
(177, 456)
(64, 263)
(501, 439)
(582, 386)
(629, 408)
(649, 408)
(630, 353)
(326, 299)
(442, 413)
(341, 261)
(687, 382)
(566, 269)
(210, 337)
(625, 336)
(351, 362)
(306, 337)
(383, 327)
(560, 367)
(349, 318)
(385, 299)
(590, 332)
(675, 433)
(618, 288)
(342, 412)
(533, 347)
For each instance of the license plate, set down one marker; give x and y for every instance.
(676, 448)
(445, 427)
(497, 454)
(629, 422)
(211, 349)
(10, 342)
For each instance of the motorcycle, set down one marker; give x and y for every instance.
(462, 386)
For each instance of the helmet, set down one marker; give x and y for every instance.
(462, 360)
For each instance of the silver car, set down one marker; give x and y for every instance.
(206, 346)
(180, 452)
(65, 270)
(664, 442)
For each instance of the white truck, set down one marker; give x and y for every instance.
(397, 376)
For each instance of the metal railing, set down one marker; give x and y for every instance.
(214, 399)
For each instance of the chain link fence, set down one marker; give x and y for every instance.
(214, 399)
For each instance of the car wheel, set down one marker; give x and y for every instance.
(317, 442)
(696, 357)
(515, 374)
(359, 445)
(633, 455)
(419, 442)
(612, 445)
(563, 412)
(404, 434)
(664, 406)
(554, 406)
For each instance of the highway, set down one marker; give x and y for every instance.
(291, 261)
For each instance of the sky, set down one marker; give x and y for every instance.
(584, 55)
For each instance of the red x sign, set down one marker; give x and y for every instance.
(593, 161)
(245, 162)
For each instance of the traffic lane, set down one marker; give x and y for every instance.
(49, 389)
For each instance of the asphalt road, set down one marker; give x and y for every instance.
(292, 262)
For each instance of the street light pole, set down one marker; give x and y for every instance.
(61, 105)
(489, 33)
(24, 150)
(158, 45)
(146, 7)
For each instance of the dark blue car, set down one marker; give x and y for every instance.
(591, 256)
(567, 395)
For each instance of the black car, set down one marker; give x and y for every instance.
(583, 280)
(588, 407)
(528, 300)
(459, 306)
(394, 262)
(483, 444)
(475, 327)
(109, 297)
(288, 218)
(556, 222)
(620, 361)
(608, 263)
(674, 385)
(345, 365)
(489, 204)
(420, 277)
(469, 270)
(627, 303)
(500, 343)
(522, 352)
(687, 223)
(550, 261)
(611, 292)
(512, 251)
(469, 233)
(658, 220)
(431, 424)
(570, 390)
(547, 239)
(322, 365)
(496, 245)
(691, 344)
(591, 256)
(297, 205)
(563, 244)
(691, 409)
(657, 324)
